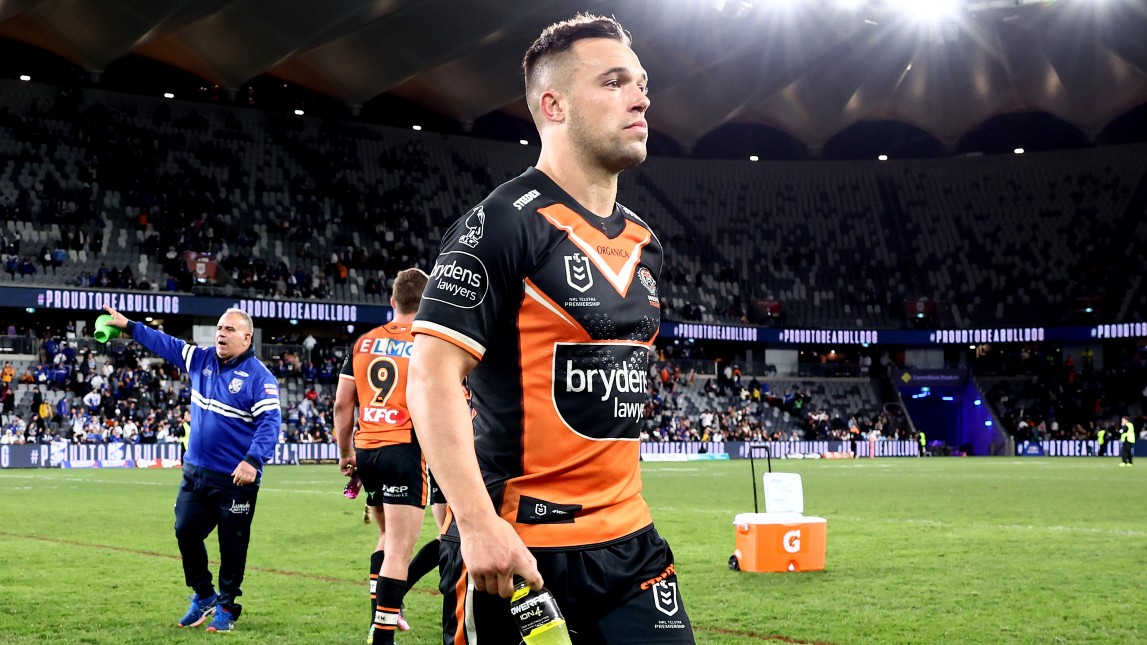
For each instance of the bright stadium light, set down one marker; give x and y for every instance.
(25, 77)
(929, 11)
(168, 95)
(299, 113)
(882, 157)
(417, 128)
(1018, 151)
(754, 158)
(523, 142)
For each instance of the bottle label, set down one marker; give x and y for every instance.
(535, 610)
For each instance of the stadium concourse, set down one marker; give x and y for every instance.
(110, 191)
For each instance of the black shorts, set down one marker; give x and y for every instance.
(624, 593)
(394, 474)
(436, 496)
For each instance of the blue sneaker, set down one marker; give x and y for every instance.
(224, 621)
(200, 610)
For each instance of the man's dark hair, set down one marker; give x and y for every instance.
(560, 36)
(408, 287)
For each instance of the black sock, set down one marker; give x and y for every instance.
(424, 561)
(375, 566)
(390, 593)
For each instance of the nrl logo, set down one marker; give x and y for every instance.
(665, 597)
(578, 275)
(475, 225)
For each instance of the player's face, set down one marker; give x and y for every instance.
(608, 103)
(232, 337)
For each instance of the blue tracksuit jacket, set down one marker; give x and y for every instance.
(235, 414)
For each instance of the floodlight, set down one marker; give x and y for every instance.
(1018, 151)
(523, 142)
(754, 158)
(929, 11)
(882, 157)
(417, 128)
(25, 77)
(299, 113)
(168, 95)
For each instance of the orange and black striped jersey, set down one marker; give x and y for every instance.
(560, 307)
(378, 364)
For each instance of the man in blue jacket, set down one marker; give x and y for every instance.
(235, 419)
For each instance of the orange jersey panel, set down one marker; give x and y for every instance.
(381, 361)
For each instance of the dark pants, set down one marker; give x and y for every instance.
(209, 500)
(1127, 450)
(1102, 448)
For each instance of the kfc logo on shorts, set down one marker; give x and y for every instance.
(665, 597)
(475, 225)
(578, 275)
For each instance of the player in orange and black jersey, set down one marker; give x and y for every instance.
(385, 453)
(544, 298)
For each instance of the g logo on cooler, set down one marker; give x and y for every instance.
(792, 541)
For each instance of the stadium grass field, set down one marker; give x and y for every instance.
(980, 550)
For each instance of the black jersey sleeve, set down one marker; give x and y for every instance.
(477, 277)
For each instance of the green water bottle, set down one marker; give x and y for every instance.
(536, 613)
(104, 331)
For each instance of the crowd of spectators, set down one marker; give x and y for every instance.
(128, 396)
(732, 407)
(301, 208)
(1069, 401)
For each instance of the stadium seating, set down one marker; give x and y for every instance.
(337, 207)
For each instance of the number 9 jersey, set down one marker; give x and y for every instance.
(560, 307)
(378, 363)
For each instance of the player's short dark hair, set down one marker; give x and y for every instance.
(560, 36)
(408, 287)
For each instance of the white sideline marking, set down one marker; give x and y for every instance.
(1004, 527)
(138, 483)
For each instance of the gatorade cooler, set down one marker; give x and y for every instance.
(783, 538)
(778, 542)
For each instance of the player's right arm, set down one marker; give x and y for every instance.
(171, 349)
(346, 395)
(491, 548)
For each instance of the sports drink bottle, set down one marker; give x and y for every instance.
(536, 613)
(352, 487)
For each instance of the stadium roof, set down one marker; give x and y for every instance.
(809, 68)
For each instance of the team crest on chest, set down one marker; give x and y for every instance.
(235, 385)
(645, 277)
(578, 275)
